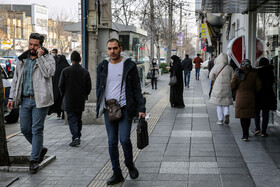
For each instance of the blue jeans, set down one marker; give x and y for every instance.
(121, 128)
(197, 70)
(32, 121)
(187, 75)
(75, 124)
(265, 118)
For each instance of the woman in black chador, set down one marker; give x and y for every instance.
(56, 107)
(176, 91)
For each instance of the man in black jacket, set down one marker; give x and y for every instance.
(187, 66)
(74, 86)
(117, 78)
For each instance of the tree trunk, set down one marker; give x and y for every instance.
(4, 154)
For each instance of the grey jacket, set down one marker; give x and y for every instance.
(43, 71)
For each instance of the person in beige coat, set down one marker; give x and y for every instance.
(221, 94)
(247, 83)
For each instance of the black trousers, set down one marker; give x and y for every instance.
(245, 124)
(154, 83)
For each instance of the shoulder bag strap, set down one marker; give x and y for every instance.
(219, 73)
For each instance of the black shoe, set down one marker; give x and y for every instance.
(33, 167)
(75, 142)
(115, 179)
(245, 138)
(133, 172)
(42, 154)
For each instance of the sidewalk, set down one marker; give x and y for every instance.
(187, 148)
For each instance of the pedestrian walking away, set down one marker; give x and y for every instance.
(187, 66)
(221, 95)
(265, 98)
(74, 86)
(155, 73)
(197, 61)
(176, 91)
(246, 82)
(56, 107)
(32, 89)
(117, 78)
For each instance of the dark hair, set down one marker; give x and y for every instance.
(198, 54)
(263, 61)
(76, 57)
(37, 36)
(187, 56)
(55, 50)
(114, 40)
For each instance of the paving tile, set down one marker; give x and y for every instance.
(204, 184)
(203, 165)
(170, 183)
(203, 170)
(175, 167)
(234, 171)
(204, 177)
(172, 177)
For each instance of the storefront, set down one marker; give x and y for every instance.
(268, 29)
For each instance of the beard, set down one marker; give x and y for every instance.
(32, 53)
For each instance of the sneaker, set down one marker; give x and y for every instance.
(133, 172)
(115, 179)
(257, 132)
(75, 142)
(42, 154)
(264, 135)
(33, 166)
(227, 119)
(219, 122)
(245, 138)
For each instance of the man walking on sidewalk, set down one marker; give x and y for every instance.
(187, 66)
(197, 60)
(32, 89)
(117, 78)
(74, 86)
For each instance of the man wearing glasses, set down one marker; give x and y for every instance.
(32, 89)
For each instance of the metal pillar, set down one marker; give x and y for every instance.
(250, 37)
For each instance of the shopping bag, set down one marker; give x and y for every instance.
(149, 75)
(173, 80)
(142, 134)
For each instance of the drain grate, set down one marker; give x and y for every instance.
(106, 172)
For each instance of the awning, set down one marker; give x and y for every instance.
(240, 6)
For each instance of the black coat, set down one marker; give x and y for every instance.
(187, 64)
(265, 98)
(61, 63)
(176, 91)
(74, 86)
(134, 99)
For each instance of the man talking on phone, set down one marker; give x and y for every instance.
(32, 89)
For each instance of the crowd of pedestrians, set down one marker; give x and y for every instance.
(45, 83)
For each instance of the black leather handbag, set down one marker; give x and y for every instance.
(142, 134)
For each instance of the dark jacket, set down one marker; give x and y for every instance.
(187, 64)
(245, 101)
(266, 98)
(134, 98)
(74, 86)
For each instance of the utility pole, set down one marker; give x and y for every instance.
(181, 30)
(169, 46)
(152, 30)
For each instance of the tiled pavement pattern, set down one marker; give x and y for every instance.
(187, 148)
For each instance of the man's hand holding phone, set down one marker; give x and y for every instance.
(40, 52)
